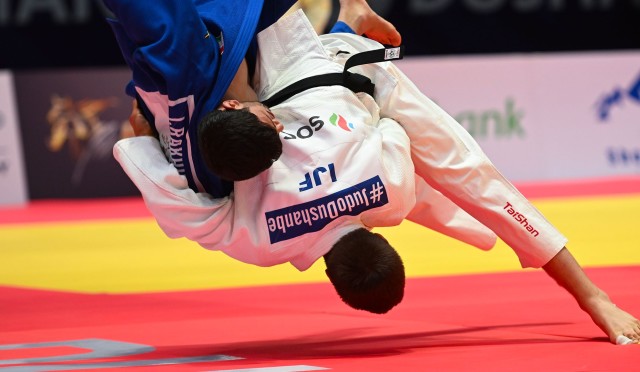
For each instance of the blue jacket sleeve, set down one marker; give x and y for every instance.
(165, 43)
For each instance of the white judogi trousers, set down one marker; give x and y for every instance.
(443, 152)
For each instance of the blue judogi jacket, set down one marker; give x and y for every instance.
(183, 55)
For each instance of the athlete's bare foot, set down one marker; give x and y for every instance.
(620, 326)
(364, 21)
(614, 321)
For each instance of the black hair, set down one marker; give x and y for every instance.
(235, 145)
(366, 272)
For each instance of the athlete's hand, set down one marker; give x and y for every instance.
(139, 124)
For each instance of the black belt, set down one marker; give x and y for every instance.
(355, 82)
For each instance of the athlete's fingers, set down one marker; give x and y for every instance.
(139, 124)
(134, 112)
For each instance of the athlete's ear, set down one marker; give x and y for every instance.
(230, 104)
(279, 126)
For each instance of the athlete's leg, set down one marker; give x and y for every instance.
(452, 162)
(436, 212)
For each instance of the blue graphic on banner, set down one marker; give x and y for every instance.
(617, 97)
(623, 156)
(297, 220)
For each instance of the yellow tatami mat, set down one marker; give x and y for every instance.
(125, 256)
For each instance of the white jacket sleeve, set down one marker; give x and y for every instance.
(179, 211)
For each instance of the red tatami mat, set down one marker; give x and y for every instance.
(461, 323)
(56, 210)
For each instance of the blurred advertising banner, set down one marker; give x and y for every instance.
(74, 33)
(56, 33)
(13, 187)
(439, 27)
(452, 27)
(543, 116)
(70, 120)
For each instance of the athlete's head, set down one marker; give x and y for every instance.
(366, 271)
(239, 140)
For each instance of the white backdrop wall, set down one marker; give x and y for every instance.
(13, 188)
(543, 116)
(538, 116)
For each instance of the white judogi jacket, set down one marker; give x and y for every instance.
(342, 168)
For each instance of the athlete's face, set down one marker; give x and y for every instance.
(263, 113)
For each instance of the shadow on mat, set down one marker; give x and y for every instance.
(347, 343)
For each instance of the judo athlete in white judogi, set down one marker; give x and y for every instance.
(342, 168)
(346, 165)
